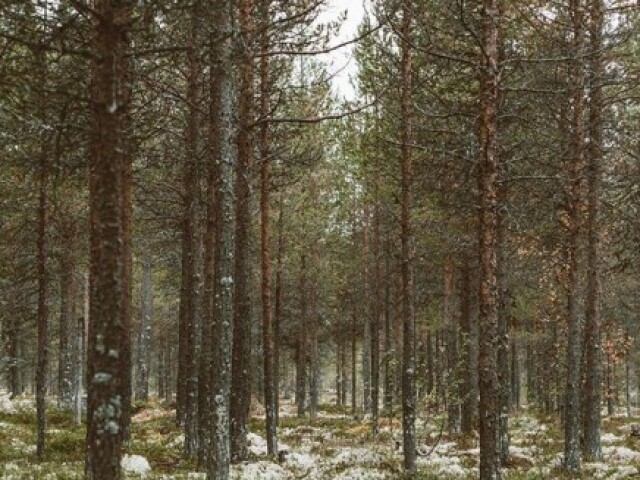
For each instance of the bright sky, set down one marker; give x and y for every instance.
(341, 61)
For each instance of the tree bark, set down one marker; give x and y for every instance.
(68, 291)
(144, 332)
(406, 241)
(269, 366)
(451, 326)
(466, 381)
(592, 397)
(489, 289)
(302, 343)
(106, 378)
(241, 366)
(226, 154)
(576, 171)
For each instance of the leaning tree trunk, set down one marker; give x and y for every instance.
(489, 180)
(106, 378)
(406, 241)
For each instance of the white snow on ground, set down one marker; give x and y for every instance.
(177, 442)
(357, 456)
(6, 404)
(620, 454)
(259, 471)
(301, 461)
(610, 438)
(609, 472)
(136, 464)
(258, 444)
(357, 473)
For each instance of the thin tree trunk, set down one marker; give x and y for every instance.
(68, 290)
(466, 380)
(388, 343)
(573, 375)
(279, 308)
(354, 359)
(451, 326)
(591, 397)
(489, 288)
(43, 299)
(406, 241)
(187, 402)
(144, 332)
(301, 346)
(241, 366)
(269, 366)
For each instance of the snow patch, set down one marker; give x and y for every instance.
(610, 438)
(259, 471)
(135, 464)
(621, 454)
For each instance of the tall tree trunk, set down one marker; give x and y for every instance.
(489, 289)
(279, 308)
(188, 333)
(43, 295)
(241, 366)
(226, 155)
(68, 290)
(388, 342)
(106, 378)
(354, 359)
(302, 343)
(466, 374)
(591, 397)
(451, 326)
(127, 283)
(144, 332)
(573, 375)
(187, 382)
(269, 366)
(406, 241)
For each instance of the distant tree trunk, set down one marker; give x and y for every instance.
(388, 343)
(68, 290)
(515, 370)
(144, 332)
(576, 171)
(279, 307)
(451, 325)
(43, 299)
(466, 375)
(106, 376)
(376, 287)
(354, 359)
(226, 153)
(489, 289)
(314, 369)
(269, 366)
(127, 284)
(241, 366)
(591, 396)
(366, 336)
(406, 241)
(161, 370)
(301, 345)
(79, 359)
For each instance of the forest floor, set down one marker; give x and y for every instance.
(334, 446)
